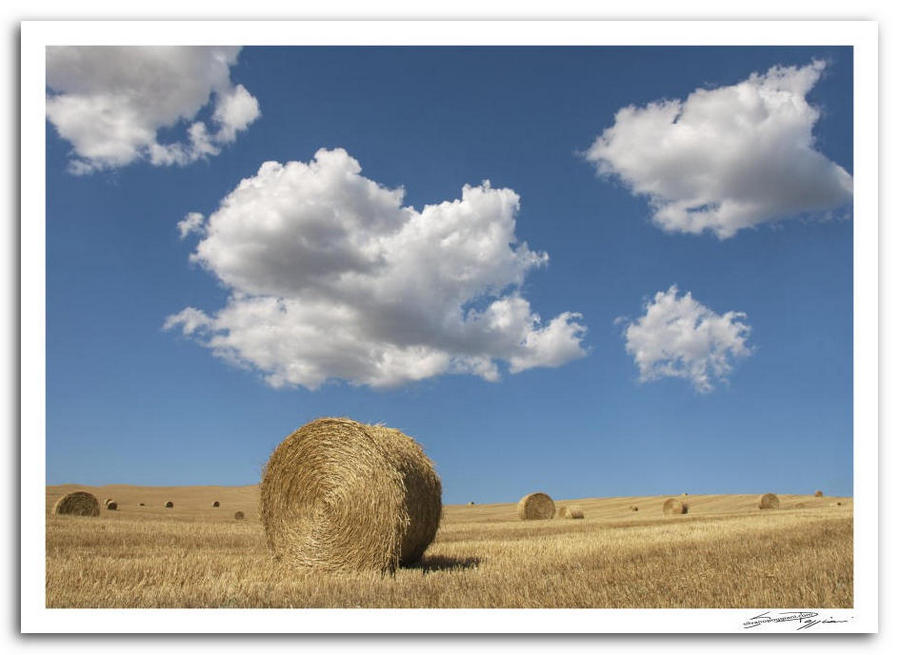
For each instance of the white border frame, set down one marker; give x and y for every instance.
(862, 35)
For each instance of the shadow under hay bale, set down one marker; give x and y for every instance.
(170, 504)
(431, 563)
(536, 506)
(78, 503)
(238, 516)
(570, 512)
(673, 506)
(215, 503)
(342, 495)
(769, 501)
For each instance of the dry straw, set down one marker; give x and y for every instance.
(78, 503)
(769, 501)
(239, 516)
(570, 512)
(215, 503)
(672, 506)
(819, 494)
(536, 506)
(341, 495)
(169, 503)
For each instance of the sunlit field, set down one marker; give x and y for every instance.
(724, 553)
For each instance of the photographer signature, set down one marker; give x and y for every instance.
(805, 619)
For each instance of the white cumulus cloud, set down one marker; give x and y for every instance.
(332, 277)
(110, 102)
(727, 158)
(682, 338)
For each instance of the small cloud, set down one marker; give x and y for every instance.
(726, 158)
(110, 102)
(190, 224)
(682, 338)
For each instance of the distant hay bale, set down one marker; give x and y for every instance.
(141, 504)
(169, 503)
(570, 512)
(342, 495)
(471, 502)
(78, 503)
(684, 493)
(215, 503)
(536, 506)
(839, 503)
(818, 494)
(112, 506)
(769, 501)
(239, 516)
(634, 508)
(673, 506)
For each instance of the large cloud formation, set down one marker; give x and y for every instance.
(110, 102)
(682, 338)
(727, 158)
(331, 277)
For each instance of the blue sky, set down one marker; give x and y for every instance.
(131, 402)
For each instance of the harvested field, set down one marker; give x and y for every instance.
(483, 556)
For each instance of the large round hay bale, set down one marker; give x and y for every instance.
(818, 494)
(78, 503)
(536, 506)
(769, 501)
(338, 494)
(673, 506)
(239, 516)
(570, 512)
(634, 508)
(215, 503)
(112, 505)
(169, 503)
(107, 501)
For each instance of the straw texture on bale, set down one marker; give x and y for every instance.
(536, 506)
(78, 503)
(570, 512)
(672, 506)
(215, 503)
(769, 501)
(342, 495)
(107, 501)
(112, 505)
(169, 503)
(819, 494)
(239, 516)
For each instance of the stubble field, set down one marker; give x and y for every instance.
(724, 553)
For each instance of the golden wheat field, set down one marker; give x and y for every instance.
(723, 553)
